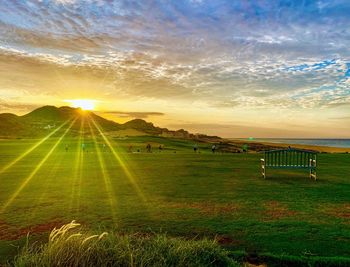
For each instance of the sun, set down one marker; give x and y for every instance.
(84, 104)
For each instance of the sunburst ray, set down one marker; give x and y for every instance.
(34, 172)
(9, 165)
(122, 163)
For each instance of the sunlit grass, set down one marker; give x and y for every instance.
(123, 164)
(78, 168)
(204, 195)
(24, 154)
(45, 193)
(105, 175)
(34, 172)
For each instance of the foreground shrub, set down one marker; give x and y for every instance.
(68, 247)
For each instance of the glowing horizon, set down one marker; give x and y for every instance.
(84, 104)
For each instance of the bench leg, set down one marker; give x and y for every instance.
(313, 169)
(263, 171)
(313, 174)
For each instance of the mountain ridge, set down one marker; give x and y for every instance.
(38, 121)
(44, 120)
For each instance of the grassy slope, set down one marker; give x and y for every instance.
(187, 194)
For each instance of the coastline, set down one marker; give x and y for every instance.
(321, 149)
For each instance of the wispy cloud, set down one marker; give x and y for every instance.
(24, 107)
(132, 114)
(242, 131)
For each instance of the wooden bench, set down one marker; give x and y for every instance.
(289, 159)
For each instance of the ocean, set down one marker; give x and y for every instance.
(315, 142)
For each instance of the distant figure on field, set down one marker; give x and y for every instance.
(130, 148)
(83, 147)
(195, 148)
(104, 147)
(148, 148)
(213, 148)
(66, 148)
(160, 148)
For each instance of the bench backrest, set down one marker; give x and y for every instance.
(289, 158)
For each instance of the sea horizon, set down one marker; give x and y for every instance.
(330, 142)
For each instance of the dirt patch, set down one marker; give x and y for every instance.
(41, 228)
(226, 240)
(274, 210)
(254, 265)
(10, 232)
(6, 231)
(339, 211)
(205, 208)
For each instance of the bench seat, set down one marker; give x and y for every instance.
(289, 159)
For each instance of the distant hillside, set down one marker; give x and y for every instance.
(51, 114)
(143, 126)
(11, 124)
(44, 119)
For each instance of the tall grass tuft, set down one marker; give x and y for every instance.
(71, 246)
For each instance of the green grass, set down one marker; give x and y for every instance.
(181, 194)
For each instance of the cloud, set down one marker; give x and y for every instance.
(241, 131)
(215, 81)
(225, 54)
(345, 118)
(65, 1)
(132, 114)
(16, 106)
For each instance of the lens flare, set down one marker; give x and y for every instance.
(106, 177)
(123, 164)
(31, 149)
(34, 172)
(79, 163)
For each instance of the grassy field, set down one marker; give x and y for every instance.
(174, 191)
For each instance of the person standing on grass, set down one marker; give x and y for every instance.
(66, 148)
(195, 148)
(130, 149)
(213, 148)
(148, 148)
(83, 147)
(160, 148)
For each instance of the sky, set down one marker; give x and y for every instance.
(228, 68)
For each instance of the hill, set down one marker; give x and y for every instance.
(43, 119)
(12, 124)
(51, 113)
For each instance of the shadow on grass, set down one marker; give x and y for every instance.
(295, 177)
